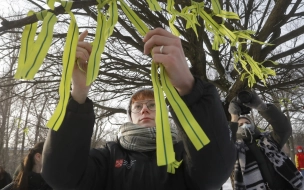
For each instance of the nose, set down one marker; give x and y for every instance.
(144, 109)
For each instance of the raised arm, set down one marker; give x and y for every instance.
(167, 50)
(66, 160)
(219, 155)
(79, 89)
(202, 98)
(279, 122)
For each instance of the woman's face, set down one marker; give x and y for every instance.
(38, 160)
(144, 114)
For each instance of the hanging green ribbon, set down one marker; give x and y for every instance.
(186, 13)
(68, 61)
(153, 5)
(135, 20)
(171, 167)
(27, 41)
(172, 11)
(165, 151)
(256, 69)
(193, 130)
(31, 59)
(105, 27)
(164, 145)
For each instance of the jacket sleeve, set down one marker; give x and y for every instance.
(211, 166)
(279, 122)
(66, 160)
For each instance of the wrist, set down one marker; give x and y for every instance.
(186, 88)
(234, 118)
(80, 95)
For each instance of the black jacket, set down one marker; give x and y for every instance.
(35, 182)
(6, 179)
(69, 163)
(280, 134)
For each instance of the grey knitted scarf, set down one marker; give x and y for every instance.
(141, 139)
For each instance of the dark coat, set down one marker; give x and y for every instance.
(35, 182)
(6, 179)
(69, 163)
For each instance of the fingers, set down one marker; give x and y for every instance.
(158, 31)
(161, 50)
(82, 54)
(83, 35)
(84, 49)
(157, 38)
(86, 46)
(167, 50)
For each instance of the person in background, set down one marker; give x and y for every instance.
(29, 175)
(5, 178)
(260, 164)
(299, 159)
(130, 162)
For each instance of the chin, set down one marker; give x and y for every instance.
(147, 125)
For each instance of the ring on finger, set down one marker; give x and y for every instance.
(161, 49)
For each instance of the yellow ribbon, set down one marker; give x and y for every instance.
(27, 41)
(135, 20)
(68, 61)
(188, 122)
(31, 60)
(164, 145)
(104, 29)
(153, 5)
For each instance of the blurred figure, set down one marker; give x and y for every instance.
(5, 178)
(299, 158)
(29, 177)
(260, 162)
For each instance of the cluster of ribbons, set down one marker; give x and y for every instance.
(33, 52)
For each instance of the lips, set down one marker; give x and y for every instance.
(145, 118)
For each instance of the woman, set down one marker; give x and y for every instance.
(5, 178)
(29, 177)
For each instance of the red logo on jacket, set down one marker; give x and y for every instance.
(118, 163)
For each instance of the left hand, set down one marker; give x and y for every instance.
(172, 58)
(256, 102)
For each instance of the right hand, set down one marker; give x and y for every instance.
(172, 58)
(79, 88)
(234, 108)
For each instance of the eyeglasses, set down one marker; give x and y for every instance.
(137, 106)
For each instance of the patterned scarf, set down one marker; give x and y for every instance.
(141, 139)
(281, 163)
(248, 175)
